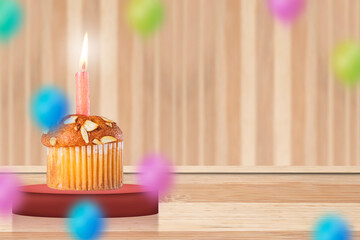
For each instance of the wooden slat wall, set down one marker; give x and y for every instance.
(221, 84)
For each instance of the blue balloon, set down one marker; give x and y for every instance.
(86, 221)
(332, 227)
(49, 106)
(11, 17)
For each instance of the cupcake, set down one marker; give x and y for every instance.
(84, 153)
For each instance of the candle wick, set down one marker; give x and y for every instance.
(83, 67)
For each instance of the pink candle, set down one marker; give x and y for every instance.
(82, 83)
(82, 93)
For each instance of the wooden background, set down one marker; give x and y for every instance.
(221, 84)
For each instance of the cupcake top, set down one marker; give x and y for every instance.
(81, 130)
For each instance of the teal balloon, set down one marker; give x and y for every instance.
(145, 16)
(11, 17)
(332, 227)
(86, 221)
(346, 62)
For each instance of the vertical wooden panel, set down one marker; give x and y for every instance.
(209, 76)
(27, 86)
(282, 97)
(156, 114)
(357, 37)
(330, 101)
(10, 105)
(347, 15)
(298, 88)
(148, 81)
(164, 97)
(183, 75)
(124, 58)
(323, 83)
(234, 79)
(35, 21)
(353, 33)
(311, 78)
(191, 77)
(175, 120)
(136, 144)
(201, 85)
(339, 119)
(265, 86)
(17, 93)
(59, 42)
(47, 51)
(4, 153)
(181, 83)
(220, 86)
(248, 82)
(108, 59)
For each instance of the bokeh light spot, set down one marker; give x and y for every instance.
(346, 62)
(145, 16)
(49, 106)
(155, 174)
(286, 10)
(11, 17)
(10, 196)
(86, 221)
(332, 227)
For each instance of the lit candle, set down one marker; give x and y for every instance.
(82, 82)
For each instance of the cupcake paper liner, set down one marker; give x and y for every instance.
(94, 167)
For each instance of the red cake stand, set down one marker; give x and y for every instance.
(130, 200)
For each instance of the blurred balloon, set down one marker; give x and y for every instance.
(155, 174)
(86, 221)
(11, 17)
(49, 106)
(145, 16)
(286, 10)
(332, 227)
(346, 62)
(10, 196)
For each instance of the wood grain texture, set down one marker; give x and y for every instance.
(222, 83)
(245, 206)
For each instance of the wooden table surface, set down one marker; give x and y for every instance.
(221, 206)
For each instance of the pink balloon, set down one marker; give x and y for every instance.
(9, 194)
(286, 10)
(155, 174)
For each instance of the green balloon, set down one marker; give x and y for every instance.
(10, 19)
(346, 61)
(145, 16)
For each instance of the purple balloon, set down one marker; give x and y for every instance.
(286, 10)
(155, 174)
(9, 193)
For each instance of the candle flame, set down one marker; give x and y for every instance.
(84, 53)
